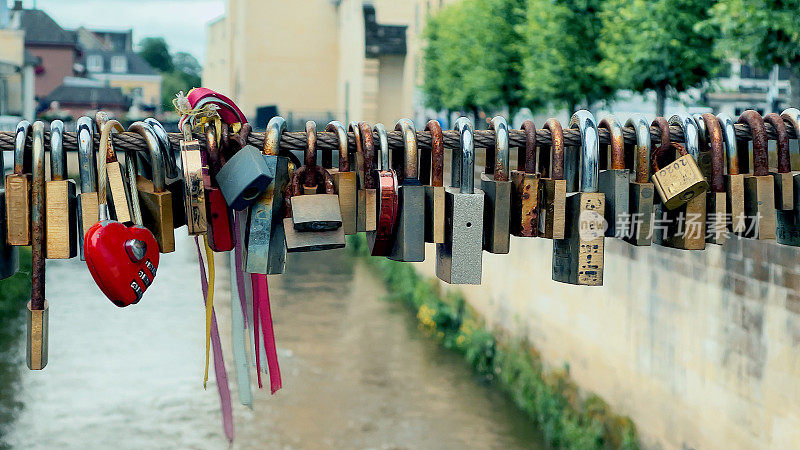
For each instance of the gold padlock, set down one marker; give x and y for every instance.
(759, 185)
(734, 179)
(679, 181)
(37, 342)
(361, 193)
(116, 179)
(61, 218)
(431, 174)
(193, 182)
(553, 196)
(716, 199)
(370, 178)
(18, 191)
(344, 179)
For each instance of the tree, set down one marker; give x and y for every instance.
(765, 32)
(561, 58)
(155, 51)
(188, 64)
(657, 45)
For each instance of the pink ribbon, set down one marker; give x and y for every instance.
(261, 309)
(228, 111)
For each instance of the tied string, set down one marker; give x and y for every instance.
(209, 302)
(213, 331)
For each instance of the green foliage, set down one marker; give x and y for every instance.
(549, 398)
(155, 51)
(179, 72)
(14, 292)
(656, 45)
(561, 58)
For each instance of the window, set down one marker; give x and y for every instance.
(94, 63)
(119, 64)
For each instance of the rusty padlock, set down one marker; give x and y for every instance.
(497, 189)
(431, 174)
(553, 186)
(788, 221)
(615, 179)
(37, 330)
(759, 185)
(680, 180)
(61, 208)
(18, 191)
(381, 240)
(784, 178)
(734, 179)
(194, 197)
(641, 191)
(524, 215)
(369, 192)
(314, 237)
(716, 199)
(358, 166)
(345, 179)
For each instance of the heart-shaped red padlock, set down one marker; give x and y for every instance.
(122, 259)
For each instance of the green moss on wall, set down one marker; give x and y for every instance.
(567, 418)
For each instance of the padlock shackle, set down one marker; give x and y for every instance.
(784, 157)
(170, 160)
(462, 174)
(87, 167)
(526, 156)
(58, 154)
(617, 145)
(641, 151)
(410, 173)
(37, 217)
(555, 149)
(759, 134)
(272, 136)
(702, 142)
(690, 134)
(317, 174)
(368, 149)
(156, 157)
(383, 158)
(660, 153)
(792, 115)
(729, 137)
(105, 147)
(583, 120)
(214, 155)
(664, 142)
(713, 136)
(20, 136)
(101, 118)
(498, 164)
(344, 155)
(310, 158)
(431, 164)
(186, 129)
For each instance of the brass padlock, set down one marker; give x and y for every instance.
(641, 191)
(174, 175)
(322, 209)
(615, 179)
(680, 180)
(61, 218)
(344, 180)
(759, 185)
(88, 204)
(153, 194)
(553, 195)
(431, 175)
(734, 179)
(194, 196)
(525, 180)
(358, 163)
(118, 194)
(578, 258)
(716, 198)
(37, 330)
(18, 191)
(497, 189)
(370, 182)
(784, 178)
(409, 241)
(381, 241)
(788, 221)
(9, 254)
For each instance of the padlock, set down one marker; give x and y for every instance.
(244, 177)
(431, 175)
(704, 158)
(88, 213)
(553, 186)
(759, 185)
(381, 240)
(784, 178)
(370, 182)
(153, 194)
(344, 179)
(174, 174)
(18, 191)
(614, 181)
(61, 218)
(578, 258)
(716, 198)
(497, 188)
(118, 193)
(220, 217)
(409, 241)
(788, 221)
(321, 238)
(265, 250)
(122, 258)
(194, 197)
(361, 193)
(459, 258)
(681, 179)
(9, 254)
(734, 179)
(641, 191)
(524, 216)
(37, 330)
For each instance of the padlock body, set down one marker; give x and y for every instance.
(685, 226)
(193, 188)
(117, 193)
(578, 258)
(552, 212)
(459, 258)
(716, 217)
(496, 211)
(759, 207)
(524, 219)
(220, 221)
(61, 220)
(18, 209)
(409, 238)
(9, 254)
(345, 186)
(788, 221)
(157, 214)
(784, 190)
(37, 342)
(680, 181)
(640, 231)
(434, 214)
(318, 212)
(311, 241)
(381, 241)
(176, 191)
(734, 190)
(371, 213)
(615, 184)
(265, 252)
(244, 177)
(361, 210)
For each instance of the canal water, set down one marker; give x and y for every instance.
(357, 373)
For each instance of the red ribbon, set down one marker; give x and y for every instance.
(262, 311)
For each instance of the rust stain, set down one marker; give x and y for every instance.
(368, 147)
(556, 149)
(784, 157)
(435, 167)
(759, 133)
(526, 158)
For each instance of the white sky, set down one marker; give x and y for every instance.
(181, 22)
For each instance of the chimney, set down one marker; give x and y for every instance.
(18, 5)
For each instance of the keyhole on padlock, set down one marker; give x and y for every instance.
(469, 224)
(250, 193)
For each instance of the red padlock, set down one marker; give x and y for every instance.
(123, 259)
(220, 216)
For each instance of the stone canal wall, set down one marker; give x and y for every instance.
(700, 349)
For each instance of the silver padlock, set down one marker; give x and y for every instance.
(497, 188)
(244, 177)
(88, 204)
(614, 180)
(409, 242)
(459, 259)
(9, 254)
